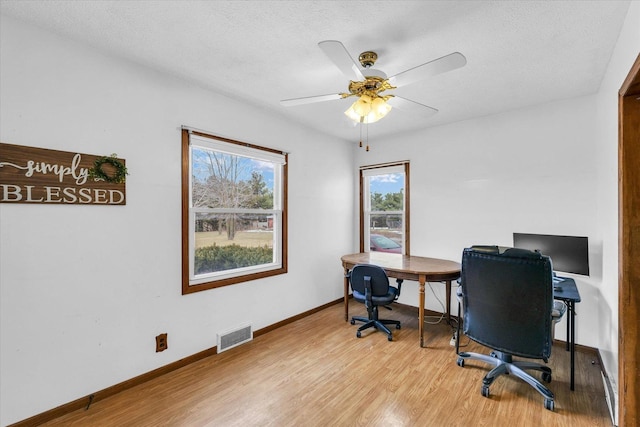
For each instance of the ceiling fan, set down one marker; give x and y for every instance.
(369, 85)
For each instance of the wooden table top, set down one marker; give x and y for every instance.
(406, 266)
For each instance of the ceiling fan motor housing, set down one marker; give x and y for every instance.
(371, 85)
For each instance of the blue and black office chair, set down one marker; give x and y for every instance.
(370, 286)
(508, 306)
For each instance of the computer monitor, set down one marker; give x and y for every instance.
(569, 254)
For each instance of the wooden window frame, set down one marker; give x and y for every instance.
(407, 210)
(187, 286)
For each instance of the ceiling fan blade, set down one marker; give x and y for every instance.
(410, 106)
(432, 68)
(340, 56)
(309, 99)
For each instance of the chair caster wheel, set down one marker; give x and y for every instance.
(461, 362)
(548, 404)
(485, 390)
(353, 322)
(546, 377)
(397, 326)
(390, 338)
(358, 334)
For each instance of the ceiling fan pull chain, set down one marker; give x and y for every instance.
(367, 137)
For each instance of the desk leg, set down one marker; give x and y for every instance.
(448, 304)
(346, 295)
(572, 338)
(422, 279)
(568, 326)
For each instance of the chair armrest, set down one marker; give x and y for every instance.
(399, 283)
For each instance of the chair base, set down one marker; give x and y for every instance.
(503, 364)
(379, 324)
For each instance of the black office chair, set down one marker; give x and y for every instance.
(370, 286)
(508, 306)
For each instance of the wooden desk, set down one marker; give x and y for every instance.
(404, 267)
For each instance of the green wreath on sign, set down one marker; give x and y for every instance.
(100, 175)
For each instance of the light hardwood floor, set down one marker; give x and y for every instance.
(315, 372)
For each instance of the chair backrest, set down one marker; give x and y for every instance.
(507, 296)
(379, 279)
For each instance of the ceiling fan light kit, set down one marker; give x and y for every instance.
(368, 110)
(371, 106)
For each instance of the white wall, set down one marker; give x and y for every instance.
(85, 289)
(478, 181)
(626, 52)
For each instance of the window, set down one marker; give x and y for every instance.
(384, 207)
(234, 218)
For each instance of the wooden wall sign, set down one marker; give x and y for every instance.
(38, 175)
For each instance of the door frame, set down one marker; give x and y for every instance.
(629, 248)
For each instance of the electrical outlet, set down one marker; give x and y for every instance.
(161, 343)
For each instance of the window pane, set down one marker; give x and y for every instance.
(383, 209)
(386, 192)
(229, 241)
(386, 195)
(385, 233)
(222, 180)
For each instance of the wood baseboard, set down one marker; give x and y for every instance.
(87, 401)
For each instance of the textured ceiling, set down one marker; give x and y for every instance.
(518, 53)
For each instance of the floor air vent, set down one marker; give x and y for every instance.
(234, 338)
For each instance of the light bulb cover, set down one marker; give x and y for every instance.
(363, 105)
(368, 110)
(353, 115)
(380, 107)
